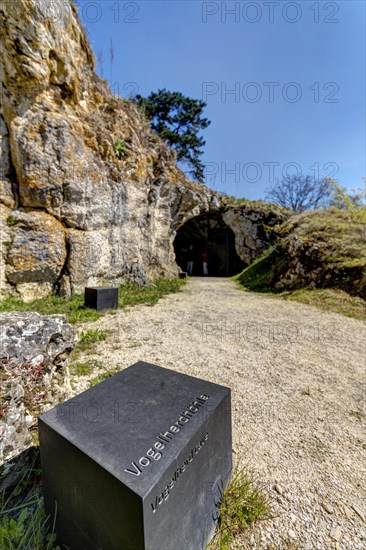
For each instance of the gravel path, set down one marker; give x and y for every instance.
(297, 376)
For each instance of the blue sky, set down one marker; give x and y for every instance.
(296, 72)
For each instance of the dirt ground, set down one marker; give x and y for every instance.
(297, 376)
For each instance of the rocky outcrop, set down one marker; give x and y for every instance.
(314, 249)
(252, 228)
(33, 373)
(323, 249)
(308, 263)
(73, 212)
(37, 251)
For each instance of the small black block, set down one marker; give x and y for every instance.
(138, 461)
(100, 298)
(182, 275)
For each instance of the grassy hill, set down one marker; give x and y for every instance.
(322, 249)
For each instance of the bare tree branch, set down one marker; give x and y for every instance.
(301, 193)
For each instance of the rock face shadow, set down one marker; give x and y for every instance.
(23, 466)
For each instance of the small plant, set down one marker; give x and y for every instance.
(90, 337)
(23, 522)
(83, 369)
(103, 376)
(243, 502)
(27, 532)
(120, 148)
(11, 221)
(86, 342)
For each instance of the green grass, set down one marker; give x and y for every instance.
(89, 366)
(130, 295)
(263, 207)
(244, 502)
(11, 221)
(257, 278)
(85, 368)
(103, 376)
(90, 337)
(52, 304)
(340, 268)
(328, 299)
(23, 521)
(341, 239)
(86, 344)
(74, 309)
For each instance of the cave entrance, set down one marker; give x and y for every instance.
(208, 232)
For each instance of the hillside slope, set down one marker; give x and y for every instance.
(318, 249)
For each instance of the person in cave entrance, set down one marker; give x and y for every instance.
(207, 232)
(183, 256)
(190, 258)
(204, 257)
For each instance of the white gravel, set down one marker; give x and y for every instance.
(297, 376)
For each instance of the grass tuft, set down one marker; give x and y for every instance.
(83, 369)
(103, 376)
(243, 502)
(328, 299)
(90, 337)
(23, 521)
(255, 278)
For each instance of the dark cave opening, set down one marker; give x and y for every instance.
(208, 232)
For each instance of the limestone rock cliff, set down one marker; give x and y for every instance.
(71, 212)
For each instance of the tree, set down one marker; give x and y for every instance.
(354, 204)
(301, 193)
(178, 120)
(347, 201)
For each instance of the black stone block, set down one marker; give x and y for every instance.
(101, 298)
(138, 462)
(182, 275)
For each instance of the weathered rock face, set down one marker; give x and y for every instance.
(314, 249)
(37, 251)
(84, 216)
(306, 262)
(250, 226)
(33, 373)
